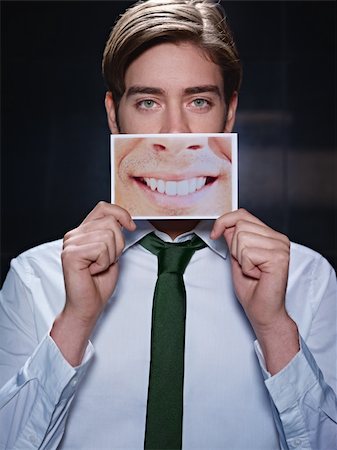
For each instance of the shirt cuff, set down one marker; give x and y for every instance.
(49, 367)
(293, 381)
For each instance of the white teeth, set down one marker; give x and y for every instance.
(171, 188)
(183, 187)
(192, 185)
(200, 182)
(161, 186)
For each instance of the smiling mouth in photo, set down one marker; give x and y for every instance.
(176, 188)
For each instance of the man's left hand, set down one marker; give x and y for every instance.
(260, 263)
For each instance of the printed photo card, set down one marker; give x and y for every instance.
(175, 176)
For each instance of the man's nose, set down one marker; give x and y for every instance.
(176, 145)
(175, 120)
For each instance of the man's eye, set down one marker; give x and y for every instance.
(146, 104)
(201, 103)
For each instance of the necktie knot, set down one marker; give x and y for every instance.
(172, 257)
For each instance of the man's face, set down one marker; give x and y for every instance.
(173, 88)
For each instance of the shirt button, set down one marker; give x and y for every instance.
(33, 439)
(74, 382)
(297, 442)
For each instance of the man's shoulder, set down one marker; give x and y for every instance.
(46, 250)
(306, 259)
(42, 258)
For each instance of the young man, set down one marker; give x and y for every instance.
(260, 341)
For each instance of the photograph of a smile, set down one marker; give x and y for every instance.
(173, 175)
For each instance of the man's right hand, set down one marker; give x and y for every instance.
(90, 267)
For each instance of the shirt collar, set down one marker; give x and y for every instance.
(203, 230)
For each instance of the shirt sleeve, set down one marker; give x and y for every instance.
(303, 394)
(37, 385)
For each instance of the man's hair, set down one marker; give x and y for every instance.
(150, 22)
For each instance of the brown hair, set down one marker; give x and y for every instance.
(150, 22)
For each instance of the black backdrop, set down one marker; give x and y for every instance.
(55, 141)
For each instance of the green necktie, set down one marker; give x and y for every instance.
(165, 396)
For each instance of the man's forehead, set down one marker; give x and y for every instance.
(173, 66)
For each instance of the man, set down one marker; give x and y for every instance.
(171, 67)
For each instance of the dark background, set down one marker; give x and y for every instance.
(55, 141)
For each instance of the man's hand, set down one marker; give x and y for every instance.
(260, 262)
(90, 267)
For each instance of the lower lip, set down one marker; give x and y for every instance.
(175, 201)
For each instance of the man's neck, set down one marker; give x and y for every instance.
(174, 227)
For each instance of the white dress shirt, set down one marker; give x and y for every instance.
(230, 401)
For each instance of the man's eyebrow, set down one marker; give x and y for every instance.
(212, 88)
(134, 90)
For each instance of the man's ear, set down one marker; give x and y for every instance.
(231, 113)
(111, 113)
